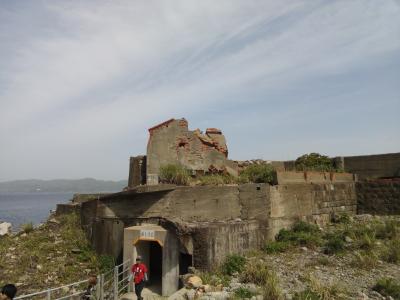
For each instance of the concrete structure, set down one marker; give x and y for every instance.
(172, 142)
(378, 197)
(372, 166)
(180, 226)
(174, 227)
(159, 251)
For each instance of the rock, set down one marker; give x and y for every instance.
(54, 221)
(348, 239)
(304, 249)
(217, 295)
(190, 294)
(5, 228)
(206, 288)
(39, 267)
(362, 296)
(235, 285)
(194, 282)
(76, 251)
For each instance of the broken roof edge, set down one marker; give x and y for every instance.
(161, 124)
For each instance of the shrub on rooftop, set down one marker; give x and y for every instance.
(314, 162)
(175, 174)
(263, 173)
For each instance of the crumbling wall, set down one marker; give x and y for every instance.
(172, 142)
(137, 171)
(379, 197)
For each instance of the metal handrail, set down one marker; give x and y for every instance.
(110, 285)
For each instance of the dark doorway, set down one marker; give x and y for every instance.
(185, 261)
(155, 267)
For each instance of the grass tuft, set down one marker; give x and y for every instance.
(388, 287)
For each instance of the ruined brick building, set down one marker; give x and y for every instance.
(174, 227)
(172, 142)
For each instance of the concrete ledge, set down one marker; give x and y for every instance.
(285, 177)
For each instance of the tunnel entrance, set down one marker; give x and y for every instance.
(159, 250)
(155, 267)
(151, 253)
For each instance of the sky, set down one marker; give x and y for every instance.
(82, 81)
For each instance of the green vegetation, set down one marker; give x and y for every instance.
(175, 174)
(317, 290)
(276, 246)
(243, 293)
(233, 264)
(56, 253)
(388, 287)
(263, 173)
(215, 278)
(217, 179)
(258, 272)
(27, 227)
(314, 162)
(334, 243)
(301, 234)
(369, 242)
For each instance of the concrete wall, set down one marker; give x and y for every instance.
(180, 205)
(198, 209)
(311, 202)
(373, 166)
(213, 241)
(137, 171)
(313, 177)
(378, 197)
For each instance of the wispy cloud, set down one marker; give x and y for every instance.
(81, 82)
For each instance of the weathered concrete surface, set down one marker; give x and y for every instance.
(373, 166)
(211, 221)
(378, 197)
(213, 241)
(311, 202)
(313, 177)
(137, 171)
(67, 208)
(172, 142)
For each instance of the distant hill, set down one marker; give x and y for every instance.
(85, 185)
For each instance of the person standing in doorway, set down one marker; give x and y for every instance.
(139, 273)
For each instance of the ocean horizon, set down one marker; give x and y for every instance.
(20, 208)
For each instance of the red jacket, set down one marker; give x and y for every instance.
(138, 271)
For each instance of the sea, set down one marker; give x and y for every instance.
(22, 208)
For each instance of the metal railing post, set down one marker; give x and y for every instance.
(98, 287)
(116, 283)
(102, 287)
(48, 295)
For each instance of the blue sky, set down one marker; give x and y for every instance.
(82, 81)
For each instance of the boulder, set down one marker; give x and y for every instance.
(194, 282)
(5, 228)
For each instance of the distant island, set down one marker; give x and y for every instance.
(85, 185)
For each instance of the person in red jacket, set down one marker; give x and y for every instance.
(139, 273)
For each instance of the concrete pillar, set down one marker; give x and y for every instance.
(170, 270)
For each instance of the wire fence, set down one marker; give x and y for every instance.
(110, 285)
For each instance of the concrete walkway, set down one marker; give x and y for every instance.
(146, 294)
